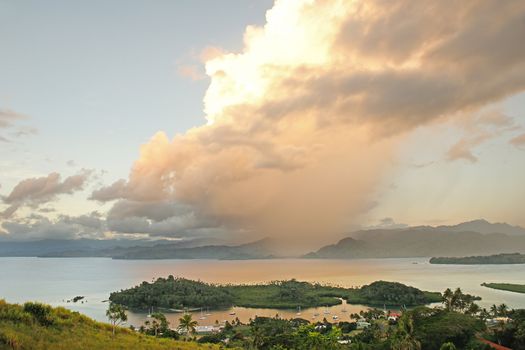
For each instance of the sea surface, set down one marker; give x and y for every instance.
(56, 280)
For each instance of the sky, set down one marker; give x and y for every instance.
(245, 119)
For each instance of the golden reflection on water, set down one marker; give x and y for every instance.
(331, 272)
(333, 314)
(55, 280)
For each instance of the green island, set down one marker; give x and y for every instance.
(513, 258)
(458, 323)
(517, 288)
(179, 293)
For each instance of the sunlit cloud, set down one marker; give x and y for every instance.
(303, 122)
(479, 128)
(36, 191)
(518, 141)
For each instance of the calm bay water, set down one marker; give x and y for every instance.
(55, 280)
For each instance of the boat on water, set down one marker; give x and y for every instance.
(232, 313)
(335, 317)
(298, 311)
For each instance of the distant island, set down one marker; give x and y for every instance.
(514, 258)
(516, 288)
(179, 293)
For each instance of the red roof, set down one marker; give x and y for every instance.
(493, 345)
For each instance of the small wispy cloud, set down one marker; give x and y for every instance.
(8, 119)
(192, 71)
(36, 191)
(518, 141)
(478, 129)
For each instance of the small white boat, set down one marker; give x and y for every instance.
(334, 317)
(232, 313)
(298, 311)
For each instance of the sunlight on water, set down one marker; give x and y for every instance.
(54, 281)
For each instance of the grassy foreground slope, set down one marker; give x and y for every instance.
(36, 326)
(517, 288)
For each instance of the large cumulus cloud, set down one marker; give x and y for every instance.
(302, 122)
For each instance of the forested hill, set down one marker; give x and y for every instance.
(179, 293)
(194, 249)
(419, 242)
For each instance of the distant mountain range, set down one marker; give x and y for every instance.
(88, 247)
(254, 250)
(478, 237)
(485, 227)
(137, 249)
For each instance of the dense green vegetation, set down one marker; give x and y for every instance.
(512, 333)
(458, 324)
(34, 326)
(286, 294)
(179, 293)
(517, 288)
(420, 328)
(434, 327)
(391, 293)
(175, 293)
(515, 258)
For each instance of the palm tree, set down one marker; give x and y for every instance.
(494, 310)
(473, 309)
(484, 314)
(503, 310)
(448, 346)
(258, 337)
(447, 298)
(458, 300)
(187, 324)
(404, 338)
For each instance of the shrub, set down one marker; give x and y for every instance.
(41, 312)
(10, 339)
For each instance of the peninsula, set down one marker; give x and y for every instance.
(497, 259)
